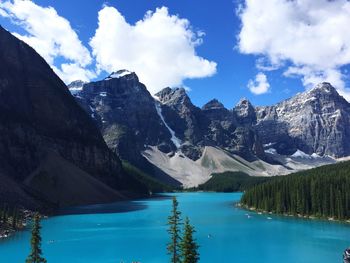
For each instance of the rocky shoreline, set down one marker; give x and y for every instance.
(8, 228)
(259, 211)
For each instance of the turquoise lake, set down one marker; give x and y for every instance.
(136, 231)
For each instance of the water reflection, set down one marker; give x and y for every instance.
(117, 207)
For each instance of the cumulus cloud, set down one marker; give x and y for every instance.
(160, 48)
(51, 36)
(260, 85)
(308, 39)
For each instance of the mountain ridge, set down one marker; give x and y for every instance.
(179, 128)
(39, 117)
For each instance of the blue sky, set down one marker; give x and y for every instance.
(261, 38)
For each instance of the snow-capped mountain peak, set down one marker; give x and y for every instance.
(118, 74)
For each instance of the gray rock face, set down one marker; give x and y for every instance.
(245, 112)
(222, 123)
(346, 256)
(316, 121)
(187, 120)
(246, 137)
(38, 116)
(126, 114)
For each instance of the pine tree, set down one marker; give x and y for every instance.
(4, 214)
(189, 247)
(14, 218)
(36, 253)
(174, 222)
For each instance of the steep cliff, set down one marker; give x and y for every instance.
(39, 118)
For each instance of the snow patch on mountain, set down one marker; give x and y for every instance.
(271, 151)
(301, 154)
(174, 139)
(315, 155)
(93, 112)
(118, 74)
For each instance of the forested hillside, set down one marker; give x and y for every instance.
(231, 182)
(321, 192)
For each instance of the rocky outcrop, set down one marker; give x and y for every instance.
(38, 116)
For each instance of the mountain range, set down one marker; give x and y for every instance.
(172, 139)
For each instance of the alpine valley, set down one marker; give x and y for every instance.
(53, 139)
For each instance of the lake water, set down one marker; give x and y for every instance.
(137, 232)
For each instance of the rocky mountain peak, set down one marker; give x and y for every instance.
(175, 96)
(323, 87)
(126, 114)
(245, 111)
(213, 105)
(244, 102)
(76, 86)
(164, 94)
(308, 121)
(322, 98)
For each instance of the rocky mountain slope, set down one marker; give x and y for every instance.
(128, 117)
(170, 135)
(49, 144)
(316, 121)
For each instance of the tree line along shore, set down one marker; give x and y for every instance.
(321, 192)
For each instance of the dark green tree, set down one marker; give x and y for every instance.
(189, 247)
(35, 255)
(14, 218)
(4, 216)
(174, 222)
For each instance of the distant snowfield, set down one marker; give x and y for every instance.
(215, 160)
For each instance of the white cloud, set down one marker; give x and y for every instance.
(74, 71)
(264, 64)
(51, 36)
(260, 85)
(311, 35)
(160, 48)
(311, 77)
